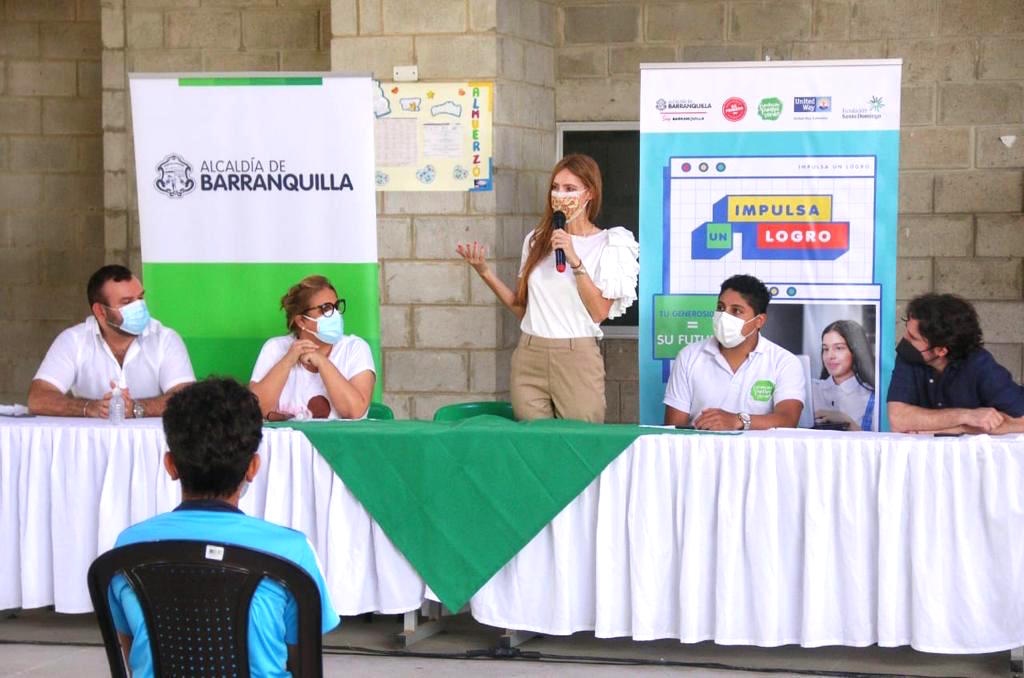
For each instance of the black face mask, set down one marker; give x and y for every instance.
(909, 354)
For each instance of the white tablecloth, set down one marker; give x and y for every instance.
(69, 486)
(762, 539)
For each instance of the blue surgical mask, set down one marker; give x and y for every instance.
(134, 317)
(329, 328)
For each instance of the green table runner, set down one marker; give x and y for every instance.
(460, 499)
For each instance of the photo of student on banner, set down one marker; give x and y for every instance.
(845, 391)
(834, 342)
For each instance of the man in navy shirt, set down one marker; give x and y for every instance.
(944, 381)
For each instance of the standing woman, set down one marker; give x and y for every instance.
(557, 369)
(845, 392)
(316, 371)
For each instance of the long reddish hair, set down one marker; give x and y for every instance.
(584, 167)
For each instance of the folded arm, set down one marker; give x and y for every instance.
(907, 418)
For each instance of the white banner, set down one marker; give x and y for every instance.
(255, 169)
(247, 184)
(788, 96)
(787, 171)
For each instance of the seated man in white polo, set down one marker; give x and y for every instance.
(118, 345)
(736, 380)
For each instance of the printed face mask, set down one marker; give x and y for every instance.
(569, 203)
(134, 317)
(729, 329)
(329, 328)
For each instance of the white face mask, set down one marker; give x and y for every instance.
(729, 329)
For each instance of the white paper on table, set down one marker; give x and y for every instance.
(14, 411)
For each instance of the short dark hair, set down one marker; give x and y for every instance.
(947, 321)
(213, 428)
(114, 272)
(751, 289)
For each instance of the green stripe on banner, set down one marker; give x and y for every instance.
(461, 499)
(251, 82)
(225, 312)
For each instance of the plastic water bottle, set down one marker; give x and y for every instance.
(117, 406)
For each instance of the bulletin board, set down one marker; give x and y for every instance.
(433, 136)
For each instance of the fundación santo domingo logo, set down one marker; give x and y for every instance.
(175, 176)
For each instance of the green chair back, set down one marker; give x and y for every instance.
(380, 412)
(457, 411)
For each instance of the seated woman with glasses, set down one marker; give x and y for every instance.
(317, 371)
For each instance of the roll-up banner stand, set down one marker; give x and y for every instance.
(247, 183)
(787, 171)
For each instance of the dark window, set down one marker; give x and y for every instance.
(617, 152)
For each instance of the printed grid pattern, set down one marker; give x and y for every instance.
(691, 204)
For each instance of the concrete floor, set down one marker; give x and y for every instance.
(18, 657)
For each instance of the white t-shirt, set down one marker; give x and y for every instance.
(554, 309)
(849, 397)
(80, 362)
(702, 379)
(351, 355)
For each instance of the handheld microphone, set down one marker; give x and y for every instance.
(558, 221)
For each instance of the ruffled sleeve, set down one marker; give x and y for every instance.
(617, 270)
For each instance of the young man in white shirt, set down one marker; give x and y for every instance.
(118, 345)
(736, 380)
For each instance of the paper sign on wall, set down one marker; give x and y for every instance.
(433, 136)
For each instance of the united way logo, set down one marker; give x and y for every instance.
(174, 178)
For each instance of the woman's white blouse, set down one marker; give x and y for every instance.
(554, 309)
(351, 355)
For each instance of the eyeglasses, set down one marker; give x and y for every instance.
(328, 309)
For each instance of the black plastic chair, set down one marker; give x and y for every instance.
(195, 599)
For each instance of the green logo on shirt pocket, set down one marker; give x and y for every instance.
(762, 390)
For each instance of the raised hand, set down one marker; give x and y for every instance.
(475, 255)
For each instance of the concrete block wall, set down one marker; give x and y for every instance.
(160, 36)
(51, 177)
(961, 222)
(445, 337)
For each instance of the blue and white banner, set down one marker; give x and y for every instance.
(788, 172)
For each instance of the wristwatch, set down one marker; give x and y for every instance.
(745, 418)
(138, 410)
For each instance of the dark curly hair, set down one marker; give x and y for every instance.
(213, 428)
(751, 289)
(946, 320)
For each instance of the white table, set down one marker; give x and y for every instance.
(762, 539)
(68, 487)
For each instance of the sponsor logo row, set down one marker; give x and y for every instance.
(769, 109)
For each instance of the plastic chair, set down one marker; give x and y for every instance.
(457, 411)
(380, 412)
(195, 599)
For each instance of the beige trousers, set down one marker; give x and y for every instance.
(561, 378)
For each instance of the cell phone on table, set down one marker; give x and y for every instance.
(832, 426)
(686, 427)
